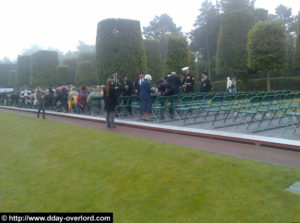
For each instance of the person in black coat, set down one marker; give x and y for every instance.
(205, 83)
(138, 83)
(174, 80)
(110, 99)
(166, 89)
(127, 89)
(188, 82)
(126, 86)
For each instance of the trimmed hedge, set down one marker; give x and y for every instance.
(5, 71)
(120, 48)
(177, 53)
(72, 63)
(43, 68)
(279, 83)
(63, 75)
(86, 74)
(220, 86)
(23, 71)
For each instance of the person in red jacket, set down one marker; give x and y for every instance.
(82, 99)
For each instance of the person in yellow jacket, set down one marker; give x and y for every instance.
(72, 99)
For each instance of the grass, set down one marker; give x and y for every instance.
(52, 167)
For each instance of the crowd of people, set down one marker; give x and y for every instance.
(97, 99)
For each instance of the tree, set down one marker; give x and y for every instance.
(44, 65)
(23, 70)
(159, 29)
(284, 14)
(235, 5)
(205, 35)
(120, 48)
(153, 56)
(192, 64)
(63, 75)
(297, 50)
(72, 63)
(232, 44)
(267, 48)
(86, 74)
(177, 53)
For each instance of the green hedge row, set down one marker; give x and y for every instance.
(278, 83)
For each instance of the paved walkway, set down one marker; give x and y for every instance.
(247, 151)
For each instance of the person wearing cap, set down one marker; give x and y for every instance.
(145, 99)
(205, 85)
(174, 80)
(139, 82)
(188, 81)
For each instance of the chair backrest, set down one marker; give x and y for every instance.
(83, 98)
(267, 98)
(197, 98)
(256, 99)
(208, 97)
(96, 99)
(186, 99)
(297, 95)
(278, 97)
(161, 99)
(240, 97)
(229, 98)
(217, 99)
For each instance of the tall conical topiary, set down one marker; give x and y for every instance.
(43, 68)
(120, 48)
(23, 70)
(177, 53)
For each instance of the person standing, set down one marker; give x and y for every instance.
(40, 97)
(145, 99)
(233, 85)
(205, 83)
(139, 82)
(116, 83)
(188, 81)
(110, 99)
(174, 80)
(229, 85)
(126, 86)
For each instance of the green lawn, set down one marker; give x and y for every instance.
(52, 167)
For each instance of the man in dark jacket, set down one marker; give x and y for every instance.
(116, 83)
(174, 80)
(110, 99)
(40, 97)
(205, 83)
(126, 86)
(139, 82)
(188, 81)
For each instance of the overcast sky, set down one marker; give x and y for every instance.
(61, 23)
